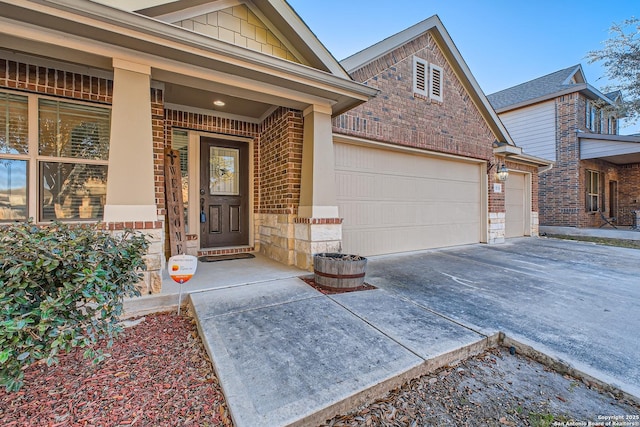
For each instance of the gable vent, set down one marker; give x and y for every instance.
(435, 79)
(420, 68)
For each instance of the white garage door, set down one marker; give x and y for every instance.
(395, 202)
(515, 205)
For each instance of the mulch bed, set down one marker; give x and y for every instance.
(331, 291)
(158, 374)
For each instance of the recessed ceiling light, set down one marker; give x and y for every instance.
(218, 103)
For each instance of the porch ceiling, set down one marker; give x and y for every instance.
(617, 149)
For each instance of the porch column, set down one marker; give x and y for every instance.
(130, 183)
(318, 227)
(317, 192)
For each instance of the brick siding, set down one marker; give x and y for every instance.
(48, 81)
(398, 116)
(281, 162)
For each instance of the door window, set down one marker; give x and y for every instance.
(223, 171)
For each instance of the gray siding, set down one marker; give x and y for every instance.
(533, 128)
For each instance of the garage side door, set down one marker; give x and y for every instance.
(395, 202)
(515, 205)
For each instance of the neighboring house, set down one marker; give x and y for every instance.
(91, 94)
(562, 118)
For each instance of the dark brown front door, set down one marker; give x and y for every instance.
(224, 193)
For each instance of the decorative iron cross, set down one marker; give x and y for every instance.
(172, 156)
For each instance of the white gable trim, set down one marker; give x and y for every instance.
(203, 9)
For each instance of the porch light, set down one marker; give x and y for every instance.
(502, 173)
(218, 103)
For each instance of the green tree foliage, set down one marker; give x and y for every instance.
(62, 286)
(621, 57)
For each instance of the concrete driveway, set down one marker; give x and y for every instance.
(575, 301)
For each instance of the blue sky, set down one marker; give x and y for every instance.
(504, 42)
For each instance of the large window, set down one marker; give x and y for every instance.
(69, 152)
(14, 150)
(593, 191)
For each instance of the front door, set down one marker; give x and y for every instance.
(224, 193)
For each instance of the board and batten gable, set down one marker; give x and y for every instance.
(533, 128)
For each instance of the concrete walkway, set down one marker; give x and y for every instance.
(625, 233)
(286, 354)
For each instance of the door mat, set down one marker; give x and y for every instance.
(214, 258)
(332, 291)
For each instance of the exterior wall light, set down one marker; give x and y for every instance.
(502, 173)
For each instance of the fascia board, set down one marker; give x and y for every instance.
(301, 29)
(367, 55)
(553, 95)
(457, 62)
(608, 137)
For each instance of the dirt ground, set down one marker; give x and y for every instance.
(494, 388)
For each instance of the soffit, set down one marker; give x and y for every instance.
(617, 149)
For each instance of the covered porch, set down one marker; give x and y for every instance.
(614, 162)
(252, 123)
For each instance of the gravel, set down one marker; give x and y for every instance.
(159, 375)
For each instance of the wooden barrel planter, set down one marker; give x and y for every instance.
(339, 271)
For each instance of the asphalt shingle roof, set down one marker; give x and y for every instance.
(534, 89)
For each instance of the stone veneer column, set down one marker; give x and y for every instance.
(316, 235)
(497, 222)
(535, 224)
(130, 183)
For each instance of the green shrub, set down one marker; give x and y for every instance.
(61, 286)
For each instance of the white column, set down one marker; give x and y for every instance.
(318, 192)
(130, 183)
